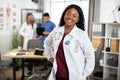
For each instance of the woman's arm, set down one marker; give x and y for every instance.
(48, 45)
(89, 55)
(35, 31)
(23, 29)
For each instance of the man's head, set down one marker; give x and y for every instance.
(46, 17)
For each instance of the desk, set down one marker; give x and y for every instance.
(22, 57)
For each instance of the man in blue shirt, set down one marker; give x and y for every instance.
(48, 27)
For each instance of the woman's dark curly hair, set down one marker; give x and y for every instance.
(80, 23)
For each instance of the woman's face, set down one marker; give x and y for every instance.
(71, 17)
(30, 18)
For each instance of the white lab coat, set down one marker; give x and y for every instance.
(78, 51)
(28, 33)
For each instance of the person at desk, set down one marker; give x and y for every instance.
(28, 30)
(48, 27)
(73, 55)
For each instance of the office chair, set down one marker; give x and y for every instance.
(32, 44)
(3, 65)
(98, 71)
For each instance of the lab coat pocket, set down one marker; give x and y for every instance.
(82, 78)
(76, 76)
(77, 47)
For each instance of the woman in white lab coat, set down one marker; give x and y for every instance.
(28, 30)
(69, 48)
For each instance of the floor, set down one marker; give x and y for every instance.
(8, 74)
(112, 77)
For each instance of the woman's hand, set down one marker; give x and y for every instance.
(51, 60)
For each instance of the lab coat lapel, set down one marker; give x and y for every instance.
(58, 37)
(74, 31)
(71, 36)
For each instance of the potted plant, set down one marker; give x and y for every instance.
(15, 44)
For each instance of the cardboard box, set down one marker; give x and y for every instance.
(114, 45)
(96, 42)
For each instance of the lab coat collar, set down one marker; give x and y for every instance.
(73, 31)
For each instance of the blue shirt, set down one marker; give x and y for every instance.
(48, 27)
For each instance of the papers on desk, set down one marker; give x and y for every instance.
(19, 53)
(22, 53)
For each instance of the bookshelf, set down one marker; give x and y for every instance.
(108, 34)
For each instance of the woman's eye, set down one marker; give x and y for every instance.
(74, 16)
(68, 13)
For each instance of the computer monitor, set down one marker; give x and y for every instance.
(40, 30)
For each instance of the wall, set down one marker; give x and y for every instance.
(47, 6)
(107, 6)
(6, 32)
(29, 4)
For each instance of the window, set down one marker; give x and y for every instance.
(57, 7)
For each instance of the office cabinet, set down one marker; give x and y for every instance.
(108, 34)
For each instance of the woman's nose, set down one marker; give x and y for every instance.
(70, 16)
